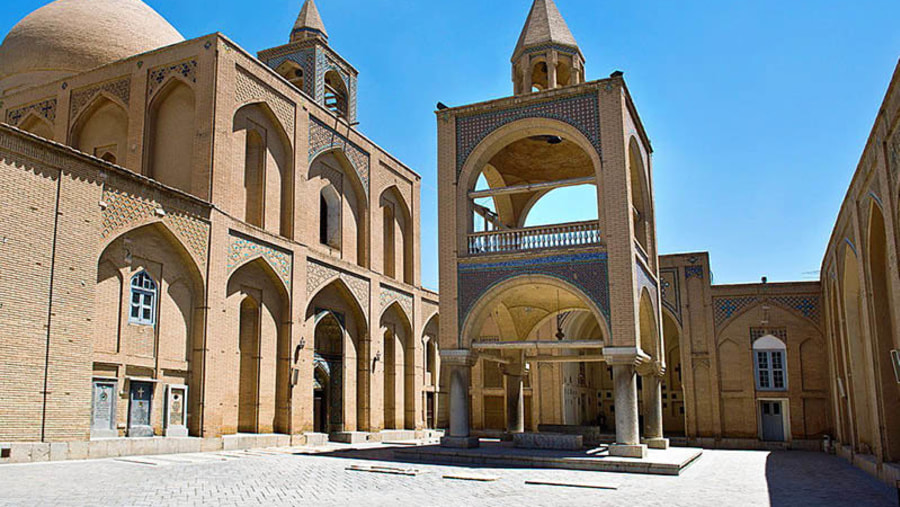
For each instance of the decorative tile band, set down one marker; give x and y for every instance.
(158, 76)
(243, 248)
(323, 138)
(581, 111)
(120, 89)
(806, 305)
(693, 272)
(306, 59)
(46, 109)
(250, 89)
(389, 294)
(669, 290)
(318, 273)
(585, 271)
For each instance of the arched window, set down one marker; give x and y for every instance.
(292, 72)
(330, 217)
(336, 93)
(770, 363)
(254, 177)
(143, 300)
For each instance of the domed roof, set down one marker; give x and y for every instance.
(67, 37)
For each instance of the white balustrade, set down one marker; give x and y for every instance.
(535, 238)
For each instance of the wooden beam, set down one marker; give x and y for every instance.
(540, 344)
(531, 187)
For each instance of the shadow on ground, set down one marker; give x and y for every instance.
(797, 478)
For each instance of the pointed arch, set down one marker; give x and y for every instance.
(649, 327)
(37, 125)
(397, 238)
(170, 136)
(333, 167)
(641, 202)
(268, 268)
(101, 129)
(338, 283)
(399, 367)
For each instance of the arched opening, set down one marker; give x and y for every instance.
(37, 126)
(640, 202)
(839, 344)
(431, 383)
(561, 382)
(397, 237)
(517, 197)
(336, 94)
(293, 73)
(344, 221)
(564, 73)
(879, 272)
(856, 338)
(329, 354)
(673, 386)
(539, 76)
(256, 308)
(170, 136)
(148, 309)
(649, 327)
(338, 324)
(399, 370)
(265, 197)
(102, 131)
(330, 217)
(248, 347)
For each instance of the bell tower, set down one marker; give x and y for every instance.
(309, 63)
(546, 55)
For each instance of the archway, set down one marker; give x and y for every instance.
(336, 96)
(170, 136)
(879, 270)
(102, 131)
(640, 197)
(257, 305)
(399, 369)
(147, 310)
(328, 411)
(839, 361)
(37, 126)
(397, 238)
(342, 214)
(432, 373)
(858, 377)
(339, 325)
(673, 387)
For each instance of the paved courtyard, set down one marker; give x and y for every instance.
(286, 477)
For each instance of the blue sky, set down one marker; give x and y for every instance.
(758, 111)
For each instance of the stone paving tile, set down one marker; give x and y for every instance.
(719, 478)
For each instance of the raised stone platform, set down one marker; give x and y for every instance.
(548, 441)
(504, 454)
(388, 436)
(351, 437)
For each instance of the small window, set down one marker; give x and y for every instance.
(143, 300)
(770, 371)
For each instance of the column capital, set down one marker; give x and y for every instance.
(629, 356)
(459, 357)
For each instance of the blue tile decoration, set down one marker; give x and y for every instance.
(586, 271)
(243, 248)
(306, 59)
(120, 89)
(45, 109)
(580, 111)
(726, 307)
(323, 138)
(187, 70)
(389, 294)
(807, 305)
(669, 290)
(693, 272)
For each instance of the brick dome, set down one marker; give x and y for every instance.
(67, 37)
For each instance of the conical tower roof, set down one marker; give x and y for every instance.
(544, 25)
(309, 22)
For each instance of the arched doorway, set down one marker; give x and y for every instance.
(328, 413)
(858, 377)
(399, 369)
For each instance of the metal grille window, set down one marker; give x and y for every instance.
(143, 299)
(770, 370)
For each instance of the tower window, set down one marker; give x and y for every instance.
(143, 300)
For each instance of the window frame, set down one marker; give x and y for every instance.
(770, 369)
(138, 287)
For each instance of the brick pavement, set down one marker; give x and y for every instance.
(279, 477)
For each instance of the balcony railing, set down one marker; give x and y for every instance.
(535, 238)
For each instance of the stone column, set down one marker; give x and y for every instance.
(515, 397)
(551, 71)
(459, 363)
(653, 415)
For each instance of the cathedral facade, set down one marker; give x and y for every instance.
(199, 242)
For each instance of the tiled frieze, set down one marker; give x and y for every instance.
(249, 89)
(693, 272)
(120, 89)
(187, 70)
(581, 111)
(124, 210)
(670, 291)
(306, 59)
(586, 271)
(46, 109)
(318, 274)
(726, 307)
(323, 138)
(807, 305)
(243, 248)
(389, 294)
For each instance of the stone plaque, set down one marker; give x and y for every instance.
(103, 409)
(139, 410)
(176, 411)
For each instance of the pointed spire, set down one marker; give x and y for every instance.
(544, 25)
(309, 23)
